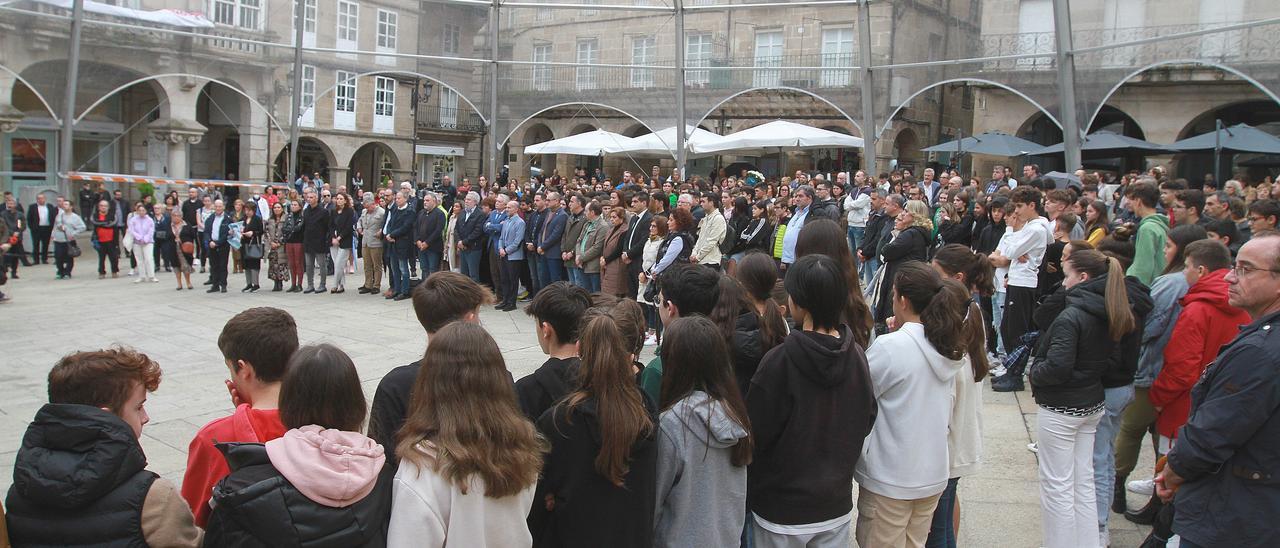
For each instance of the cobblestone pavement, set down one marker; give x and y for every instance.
(48, 318)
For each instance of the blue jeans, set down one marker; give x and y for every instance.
(428, 262)
(997, 314)
(399, 272)
(575, 276)
(868, 271)
(591, 282)
(942, 533)
(470, 260)
(1104, 458)
(542, 278)
(537, 274)
(554, 266)
(855, 234)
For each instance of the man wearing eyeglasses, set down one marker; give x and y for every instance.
(1223, 471)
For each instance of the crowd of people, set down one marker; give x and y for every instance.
(813, 336)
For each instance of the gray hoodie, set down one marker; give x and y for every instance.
(701, 496)
(1167, 291)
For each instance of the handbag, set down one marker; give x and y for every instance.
(871, 293)
(252, 251)
(73, 249)
(328, 265)
(127, 241)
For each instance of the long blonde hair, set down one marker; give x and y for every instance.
(464, 405)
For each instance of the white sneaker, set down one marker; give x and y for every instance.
(137, 280)
(1032, 447)
(651, 340)
(998, 371)
(132, 272)
(1142, 487)
(155, 281)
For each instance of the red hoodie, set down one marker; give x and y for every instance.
(205, 464)
(1206, 323)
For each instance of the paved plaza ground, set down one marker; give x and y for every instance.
(48, 318)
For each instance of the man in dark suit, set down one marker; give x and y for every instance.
(40, 217)
(533, 220)
(217, 233)
(316, 219)
(88, 200)
(470, 231)
(428, 234)
(399, 235)
(192, 205)
(549, 236)
(635, 238)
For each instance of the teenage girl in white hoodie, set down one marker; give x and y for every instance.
(905, 463)
(964, 436)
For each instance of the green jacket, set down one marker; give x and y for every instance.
(1148, 248)
(651, 379)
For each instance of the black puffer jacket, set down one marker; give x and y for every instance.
(1124, 364)
(912, 244)
(748, 348)
(256, 506)
(1075, 351)
(79, 480)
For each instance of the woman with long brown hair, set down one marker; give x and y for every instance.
(278, 264)
(613, 274)
(597, 485)
(469, 460)
(964, 435)
(705, 444)
(825, 237)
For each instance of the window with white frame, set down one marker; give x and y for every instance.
(448, 108)
(769, 46)
(588, 54)
(388, 29)
(348, 25)
(308, 116)
(384, 105)
(644, 51)
(697, 53)
(238, 13)
(837, 51)
(344, 101)
(450, 39)
(590, 12)
(541, 74)
(543, 14)
(309, 14)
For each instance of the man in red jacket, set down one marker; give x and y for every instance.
(1206, 323)
(256, 345)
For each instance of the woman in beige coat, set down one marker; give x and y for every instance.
(613, 273)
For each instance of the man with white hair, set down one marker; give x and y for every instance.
(470, 235)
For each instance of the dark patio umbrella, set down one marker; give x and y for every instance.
(1106, 141)
(1237, 138)
(1062, 180)
(1265, 160)
(995, 143)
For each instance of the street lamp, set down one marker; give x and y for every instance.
(418, 97)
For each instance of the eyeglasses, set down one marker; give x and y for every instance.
(1242, 269)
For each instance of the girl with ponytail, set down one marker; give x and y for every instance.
(964, 436)
(905, 468)
(1066, 382)
(597, 484)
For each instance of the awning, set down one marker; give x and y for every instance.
(777, 136)
(441, 150)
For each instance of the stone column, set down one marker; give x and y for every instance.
(178, 135)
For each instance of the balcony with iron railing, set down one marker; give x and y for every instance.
(1243, 46)
(434, 118)
(825, 71)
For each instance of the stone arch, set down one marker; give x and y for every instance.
(906, 149)
(582, 128)
(314, 155)
(374, 159)
(537, 133)
(635, 130)
(820, 98)
(527, 119)
(155, 81)
(1040, 128)
(18, 79)
(1258, 113)
(1225, 68)
(889, 119)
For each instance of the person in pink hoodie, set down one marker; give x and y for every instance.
(318, 484)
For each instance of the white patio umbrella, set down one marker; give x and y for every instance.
(777, 136)
(663, 143)
(591, 143)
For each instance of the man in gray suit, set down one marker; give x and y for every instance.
(511, 252)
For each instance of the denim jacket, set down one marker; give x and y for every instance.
(1166, 291)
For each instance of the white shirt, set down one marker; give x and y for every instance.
(42, 213)
(217, 225)
(1031, 241)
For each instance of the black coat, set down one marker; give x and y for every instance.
(79, 479)
(256, 506)
(344, 225)
(400, 227)
(1076, 350)
(33, 215)
(315, 229)
(470, 230)
(429, 228)
(1229, 451)
(636, 236)
(871, 235)
(911, 244)
(989, 238)
(589, 510)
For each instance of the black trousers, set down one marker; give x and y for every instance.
(218, 270)
(40, 236)
(633, 277)
(1019, 303)
(509, 283)
(62, 259)
(108, 252)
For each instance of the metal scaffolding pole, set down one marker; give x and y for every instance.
(493, 94)
(69, 99)
(869, 132)
(299, 16)
(681, 155)
(1067, 84)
